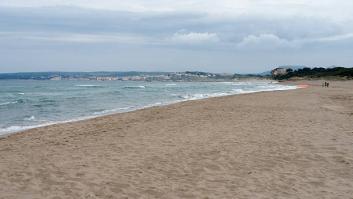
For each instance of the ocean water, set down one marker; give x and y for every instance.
(27, 104)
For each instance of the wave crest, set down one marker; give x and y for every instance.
(88, 85)
(134, 87)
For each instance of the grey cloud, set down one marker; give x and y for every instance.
(177, 38)
(158, 26)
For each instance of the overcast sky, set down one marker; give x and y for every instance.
(237, 36)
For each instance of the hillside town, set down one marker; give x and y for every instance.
(124, 76)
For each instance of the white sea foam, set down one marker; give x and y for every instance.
(126, 108)
(7, 103)
(202, 96)
(88, 85)
(30, 118)
(225, 82)
(116, 110)
(20, 93)
(158, 104)
(13, 129)
(238, 90)
(134, 87)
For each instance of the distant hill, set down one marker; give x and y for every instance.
(293, 67)
(335, 72)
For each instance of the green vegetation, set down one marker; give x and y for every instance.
(316, 73)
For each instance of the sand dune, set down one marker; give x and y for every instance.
(283, 144)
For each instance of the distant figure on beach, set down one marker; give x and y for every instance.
(326, 84)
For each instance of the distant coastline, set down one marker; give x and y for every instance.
(129, 76)
(278, 73)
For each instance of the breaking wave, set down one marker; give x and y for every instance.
(134, 87)
(88, 85)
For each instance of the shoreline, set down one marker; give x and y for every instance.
(26, 128)
(290, 144)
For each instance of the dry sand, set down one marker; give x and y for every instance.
(285, 144)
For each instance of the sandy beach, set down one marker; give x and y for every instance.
(283, 144)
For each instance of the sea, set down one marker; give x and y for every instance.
(26, 104)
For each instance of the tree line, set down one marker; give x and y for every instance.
(317, 73)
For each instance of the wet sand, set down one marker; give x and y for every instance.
(283, 144)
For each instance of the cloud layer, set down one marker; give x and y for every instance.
(169, 35)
